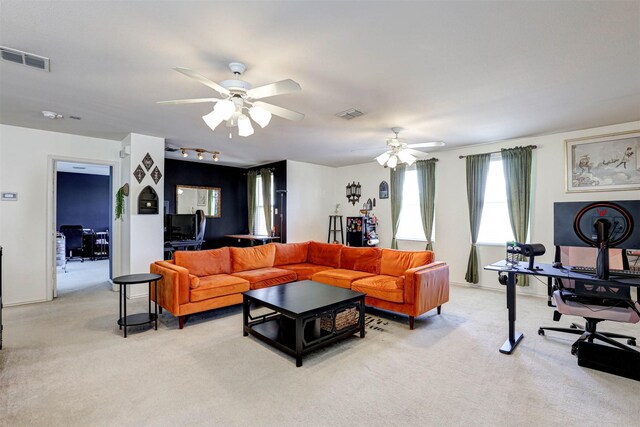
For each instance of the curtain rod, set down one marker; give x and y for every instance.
(533, 147)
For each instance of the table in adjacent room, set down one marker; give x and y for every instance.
(139, 318)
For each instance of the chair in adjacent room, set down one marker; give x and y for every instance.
(201, 224)
(73, 239)
(594, 303)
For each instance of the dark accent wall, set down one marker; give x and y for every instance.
(83, 199)
(233, 188)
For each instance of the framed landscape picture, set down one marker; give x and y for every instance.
(603, 163)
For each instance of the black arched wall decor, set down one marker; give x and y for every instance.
(148, 201)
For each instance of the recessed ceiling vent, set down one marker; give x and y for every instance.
(24, 58)
(349, 114)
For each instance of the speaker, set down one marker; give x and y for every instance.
(609, 359)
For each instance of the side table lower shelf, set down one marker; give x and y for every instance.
(138, 319)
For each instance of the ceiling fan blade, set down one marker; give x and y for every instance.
(415, 153)
(426, 144)
(202, 79)
(189, 101)
(279, 111)
(272, 89)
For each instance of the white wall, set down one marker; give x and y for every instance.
(452, 233)
(310, 201)
(141, 234)
(369, 175)
(26, 158)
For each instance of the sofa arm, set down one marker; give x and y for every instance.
(427, 287)
(173, 289)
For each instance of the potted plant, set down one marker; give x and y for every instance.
(120, 195)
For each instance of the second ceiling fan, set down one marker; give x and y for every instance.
(239, 96)
(400, 152)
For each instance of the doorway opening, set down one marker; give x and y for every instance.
(82, 226)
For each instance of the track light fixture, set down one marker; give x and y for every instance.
(200, 152)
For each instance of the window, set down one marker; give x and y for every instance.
(261, 225)
(495, 226)
(410, 227)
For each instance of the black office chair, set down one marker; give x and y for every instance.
(201, 224)
(594, 303)
(73, 240)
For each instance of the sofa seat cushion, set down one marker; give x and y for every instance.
(387, 288)
(339, 277)
(265, 277)
(218, 285)
(244, 259)
(395, 263)
(290, 253)
(305, 270)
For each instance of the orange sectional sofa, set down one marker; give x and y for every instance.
(407, 282)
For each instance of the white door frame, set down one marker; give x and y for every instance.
(50, 237)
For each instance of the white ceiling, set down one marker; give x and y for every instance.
(460, 72)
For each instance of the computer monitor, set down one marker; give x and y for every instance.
(180, 226)
(602, 225)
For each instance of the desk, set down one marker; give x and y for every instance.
(180, 245)
(544, 270)
(252, 239)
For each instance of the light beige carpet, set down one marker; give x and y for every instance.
(66, 363)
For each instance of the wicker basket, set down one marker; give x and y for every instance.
(344, 319)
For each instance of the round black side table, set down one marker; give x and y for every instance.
(140, 318)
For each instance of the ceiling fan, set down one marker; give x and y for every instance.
(400, 152)
(238, 97)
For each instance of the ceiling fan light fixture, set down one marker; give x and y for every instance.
(260, 116)
(225, 109)
(244, 126)
(213, 119)
(382, 158)
(393, 161)
(405, 157)
(184, 153)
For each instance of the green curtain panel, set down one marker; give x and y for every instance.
(265, 174)
(427, 192)
(516, 164)
(252, 177)
(396, 188)
(477, 170)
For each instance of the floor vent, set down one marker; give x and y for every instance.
(349, 114)
(24, 58)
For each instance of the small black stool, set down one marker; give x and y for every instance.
(140, 318)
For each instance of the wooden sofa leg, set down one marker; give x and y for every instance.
(160, 309)
(411, 318)
(181, 322)
(439, 309)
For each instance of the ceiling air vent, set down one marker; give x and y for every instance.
(349, 114)
(24, 58)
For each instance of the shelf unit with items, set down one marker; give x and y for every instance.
(361, 231)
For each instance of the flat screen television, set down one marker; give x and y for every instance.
(180, 227)
(602, 225)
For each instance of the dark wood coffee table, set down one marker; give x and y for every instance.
(294, 324)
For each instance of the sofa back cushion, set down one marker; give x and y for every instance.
(395, 263)
(361, 259)
(204, 263)
(243, 259)
(290, 253)
(324, 254)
